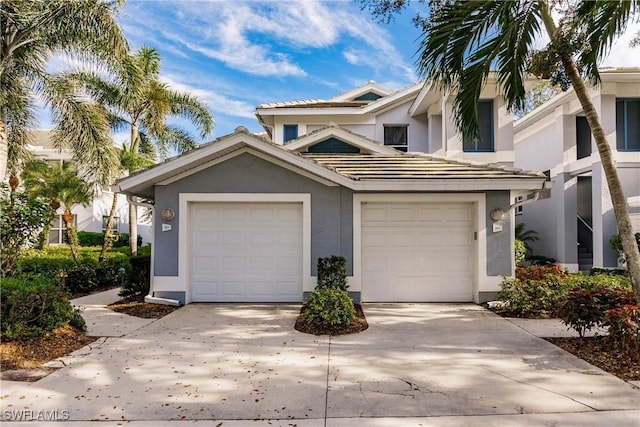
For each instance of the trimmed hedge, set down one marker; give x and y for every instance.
(32, 306)
(56, 261)
(332, 273)
(329, 307)
(92, 238)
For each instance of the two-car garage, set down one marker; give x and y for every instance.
(253, 252)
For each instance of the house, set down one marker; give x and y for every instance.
(419, 214)
(418, 118)
(575, 219)
(93, 217)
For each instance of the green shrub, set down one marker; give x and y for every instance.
(332, 273)
(540, 291)
(520, 250)
(138, 279)
(609, 271)
(616, 243)
(624, 329)
(34, 305)
(584, 309)
(532, 298)
(93, 238)
(329, 307)
(56, 261)
(599, 281)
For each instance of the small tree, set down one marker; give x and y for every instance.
(62, 187)
(21, 220)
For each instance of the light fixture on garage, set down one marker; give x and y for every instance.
(497, 214)
(168, 214)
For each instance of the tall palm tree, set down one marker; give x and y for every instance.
(62, 186)
(464, 40)
(137, 99)
(129, 161)
(31, 33)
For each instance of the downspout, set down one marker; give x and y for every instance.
(150, 298)
(536, 195)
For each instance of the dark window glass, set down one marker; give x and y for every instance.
(369, 96)
(290, 132)
(485, 125)
(583, 137)
(333, 145)
(396, 136)
(628, 124)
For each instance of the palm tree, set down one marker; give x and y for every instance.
(129, 161)
(526, 236)
(463, 41)
(138, 100)
(32, 32)
(60, 185)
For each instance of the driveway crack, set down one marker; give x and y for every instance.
(539, 388)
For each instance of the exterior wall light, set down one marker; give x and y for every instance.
(497, 214)
(168, 214)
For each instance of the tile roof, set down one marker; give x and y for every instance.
(414, 166)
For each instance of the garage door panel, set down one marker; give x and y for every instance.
(249, 252)
(417, 252)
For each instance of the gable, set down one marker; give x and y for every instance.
(333, 145)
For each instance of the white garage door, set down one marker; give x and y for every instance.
(246, 252)
(420, 252)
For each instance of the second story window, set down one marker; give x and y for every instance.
(583, 137)
(396, 136)
(485, 125)
(628, 124)
(289, 132)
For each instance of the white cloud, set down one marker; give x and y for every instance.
(621, 54)
(256, 37)
(215, 101)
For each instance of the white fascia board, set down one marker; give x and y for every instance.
(362, 90)
(450, 184)
(182, 165)
(296, 111)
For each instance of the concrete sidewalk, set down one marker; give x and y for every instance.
(102, 322)
(244, 365)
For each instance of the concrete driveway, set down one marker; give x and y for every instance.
(417, 364)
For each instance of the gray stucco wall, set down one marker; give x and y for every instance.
(331, 207)
(499, 247)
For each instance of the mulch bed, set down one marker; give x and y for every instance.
(135, 306)
(600, 352)
(358, 324)
(22, 359)
(30, 354)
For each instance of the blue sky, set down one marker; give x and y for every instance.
(235, 55)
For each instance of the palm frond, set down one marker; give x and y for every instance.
(602, 22)
(465, 41)
(83, 127)
(191, 108)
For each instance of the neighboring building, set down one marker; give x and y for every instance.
(575, 219)
(93, 217)
(414, 119)
(377, 176)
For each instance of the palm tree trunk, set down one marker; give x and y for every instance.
(72, 236)
(4, 149)
(620, 208)
(618, 198)
(133, 210)
(108, 240)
